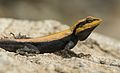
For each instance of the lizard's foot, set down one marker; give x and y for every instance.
(66, 53)
(19, 36)
(82, 55)
(28, 50)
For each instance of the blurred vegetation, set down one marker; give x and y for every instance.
(66, 11)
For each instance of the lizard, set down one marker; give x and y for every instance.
(55, 42)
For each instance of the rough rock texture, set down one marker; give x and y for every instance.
(99, 54)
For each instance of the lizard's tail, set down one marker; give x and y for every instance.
(10, 45)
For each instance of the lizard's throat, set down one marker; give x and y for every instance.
(82, 35)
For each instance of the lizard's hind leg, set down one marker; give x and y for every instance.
(28, 49)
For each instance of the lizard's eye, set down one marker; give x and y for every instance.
(89, 20)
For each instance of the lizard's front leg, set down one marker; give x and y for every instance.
(67, 53)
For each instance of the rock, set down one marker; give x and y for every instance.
(98, 54)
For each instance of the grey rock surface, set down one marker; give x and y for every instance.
(99, 54)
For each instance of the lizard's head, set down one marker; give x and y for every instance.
(85, 26)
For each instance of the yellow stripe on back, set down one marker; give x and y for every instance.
(51, 37)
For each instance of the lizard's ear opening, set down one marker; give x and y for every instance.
(85, 33)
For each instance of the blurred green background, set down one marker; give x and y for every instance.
(66, 11)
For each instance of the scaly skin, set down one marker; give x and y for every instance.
(66, 39)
